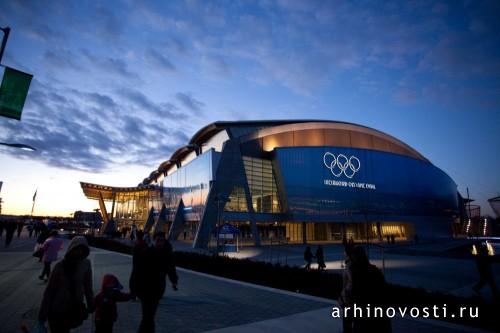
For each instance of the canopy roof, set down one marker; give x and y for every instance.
(93, 191)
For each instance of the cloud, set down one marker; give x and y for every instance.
(62, 59)
(91, 131)
(189, 102)
(159, 61)
(218, 65)
(43, 32)
(110, 65)
(107, 23)
(145, 104)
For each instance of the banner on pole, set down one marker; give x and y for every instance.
(13, 92)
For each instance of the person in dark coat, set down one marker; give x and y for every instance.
(37, 228)
(363, 285)
(20, 226)
(44, 235)
(10, 228)
(483, 264)
(105, 301)
(30, 230)
(70, 283)
(150, 267)
(320, 258)
(2, 226)
(308, 258)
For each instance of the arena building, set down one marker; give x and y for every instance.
(291, 181)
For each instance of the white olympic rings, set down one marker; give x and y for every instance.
(340, 164)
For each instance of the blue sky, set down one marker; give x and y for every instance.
(119, 85)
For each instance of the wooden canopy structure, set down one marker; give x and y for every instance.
(104, 193)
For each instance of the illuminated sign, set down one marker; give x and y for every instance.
(342, 165)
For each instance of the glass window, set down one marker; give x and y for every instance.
(262, 185)
(237, 201)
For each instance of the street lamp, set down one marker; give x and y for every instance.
(6, 32)
(18, 145)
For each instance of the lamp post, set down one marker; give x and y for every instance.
(6, 32)
(18, 145)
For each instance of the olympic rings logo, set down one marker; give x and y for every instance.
(340, 164)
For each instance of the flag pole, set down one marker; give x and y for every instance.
(34, 199)
(6, 32)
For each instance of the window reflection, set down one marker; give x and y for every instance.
(262, 185)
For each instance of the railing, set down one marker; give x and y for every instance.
(281, 243)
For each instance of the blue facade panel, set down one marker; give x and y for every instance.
(350, 184)
(191, 183)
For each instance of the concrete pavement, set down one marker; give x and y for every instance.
(203, 302)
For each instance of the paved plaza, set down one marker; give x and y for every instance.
(423, 265)
(202, 303)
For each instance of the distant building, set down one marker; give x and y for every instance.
(297, 180)
(80, 216)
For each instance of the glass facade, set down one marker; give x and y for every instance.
(191, 183)
(262, 185)
(385, 185)
(133, 207)
(237, 201)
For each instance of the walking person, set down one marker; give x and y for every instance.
(2, 227)
(70, 282)
(363, 285)
(483, 264)
(42, 238)
(10, 228)
(30, 230)
(36, 228)
(50, 248)
(20, 226)
(150, 267)
(105, 301)
(308, 258)
(133, 232)
(320, 258)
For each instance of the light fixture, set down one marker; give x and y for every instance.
(18, 145)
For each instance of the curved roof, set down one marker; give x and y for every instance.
(211, 129)
(356, 136)
(252, 129)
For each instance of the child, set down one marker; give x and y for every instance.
(105, 303)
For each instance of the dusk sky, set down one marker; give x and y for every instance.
(119, 85)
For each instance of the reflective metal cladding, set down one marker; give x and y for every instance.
(301, 180)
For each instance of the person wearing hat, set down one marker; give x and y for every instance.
(105, 301)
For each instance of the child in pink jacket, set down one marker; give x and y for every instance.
(50, 247)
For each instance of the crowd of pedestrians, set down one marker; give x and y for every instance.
(319, 255)
(68, 298)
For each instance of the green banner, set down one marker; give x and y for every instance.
(13, 92)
